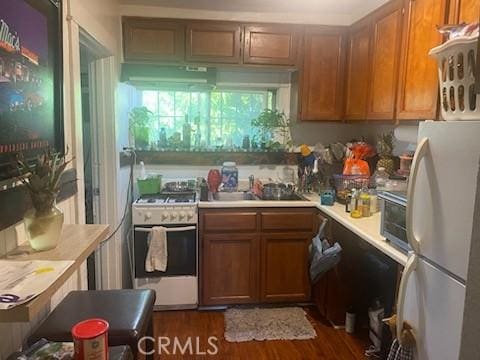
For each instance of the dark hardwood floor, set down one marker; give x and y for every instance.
(179, 326)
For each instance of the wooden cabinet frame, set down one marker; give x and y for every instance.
(219, 245)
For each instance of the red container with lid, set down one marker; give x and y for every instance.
(90, 338)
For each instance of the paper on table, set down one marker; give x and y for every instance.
(21, 281)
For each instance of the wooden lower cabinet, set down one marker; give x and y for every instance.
(363, 274)
(230, 269)
(284, 271)
(254, 255)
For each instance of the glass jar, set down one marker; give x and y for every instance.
(230, 176)
(380, 177)
(43, 229)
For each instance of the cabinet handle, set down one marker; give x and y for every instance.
(419, 154)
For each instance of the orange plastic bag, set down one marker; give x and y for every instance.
(355, 165)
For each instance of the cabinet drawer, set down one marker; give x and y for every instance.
(230, 221)
(288, 221)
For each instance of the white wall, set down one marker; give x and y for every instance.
(100, 19)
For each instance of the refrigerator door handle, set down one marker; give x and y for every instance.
(419, 154)
(410, 267)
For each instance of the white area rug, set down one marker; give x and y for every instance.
(288, 323)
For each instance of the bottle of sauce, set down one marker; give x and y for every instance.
(355, 207)
(365, 203)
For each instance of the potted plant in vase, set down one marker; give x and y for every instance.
(139, 124)
(43, 223)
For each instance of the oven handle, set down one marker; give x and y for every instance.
(177, 229)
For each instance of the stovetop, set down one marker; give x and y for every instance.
(168, 198)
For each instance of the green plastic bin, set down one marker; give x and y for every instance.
(149, 186)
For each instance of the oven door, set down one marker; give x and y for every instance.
(182, 253)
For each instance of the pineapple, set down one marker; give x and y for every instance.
(385, 151)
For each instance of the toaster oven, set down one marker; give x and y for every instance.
(394, 213)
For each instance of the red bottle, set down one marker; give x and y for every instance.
(214, 180)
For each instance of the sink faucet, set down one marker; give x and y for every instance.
(251, 182)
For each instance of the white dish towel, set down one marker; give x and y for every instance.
(157, 255)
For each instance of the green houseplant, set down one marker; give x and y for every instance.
(43, 223)
(140, 119)
(274, 129)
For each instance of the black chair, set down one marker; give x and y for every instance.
(128, 312)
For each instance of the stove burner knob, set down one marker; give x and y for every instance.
(164, 217)
(182, 215)
(148, 216)
(173, 216)
(190, 216)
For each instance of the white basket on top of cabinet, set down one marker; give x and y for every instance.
(456, 70)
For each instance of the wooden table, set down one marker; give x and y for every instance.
(77, 242)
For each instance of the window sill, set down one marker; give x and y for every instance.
(212, 158)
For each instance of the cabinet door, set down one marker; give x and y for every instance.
(322, 79)
(271, 45)
(284, 267)
(386, 40)
(153, 40)
(320, 288)
(467, 11)
(418, 83)
(344, 281)
(358, 71)
(230, 269)
(213, 43)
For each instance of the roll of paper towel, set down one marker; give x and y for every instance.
(406, 133)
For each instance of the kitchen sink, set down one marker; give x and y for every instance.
(234, 196)
(246, 195)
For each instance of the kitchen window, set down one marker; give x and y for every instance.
(218, 119)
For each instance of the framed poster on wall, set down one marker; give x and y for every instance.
(31, 116)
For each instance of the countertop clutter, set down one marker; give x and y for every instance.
(366, 228)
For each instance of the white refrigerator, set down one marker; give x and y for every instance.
(439, 291)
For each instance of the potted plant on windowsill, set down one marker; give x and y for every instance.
(43, 223)
(274, 130)
(139, 123)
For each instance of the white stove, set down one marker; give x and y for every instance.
(165, 208)
(177, 287)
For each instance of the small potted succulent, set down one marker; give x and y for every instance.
(43, 223)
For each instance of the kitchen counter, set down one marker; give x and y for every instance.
(77, 242)
(366, 228)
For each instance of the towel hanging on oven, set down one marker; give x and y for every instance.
(323, 256)
(157, 254)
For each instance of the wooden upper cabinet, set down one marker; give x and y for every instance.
(213, 42)
(271, 44)
(322, 78)
(386, 41)
(358, 71)
(153, 40)
(418, 82)
(467, 11)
